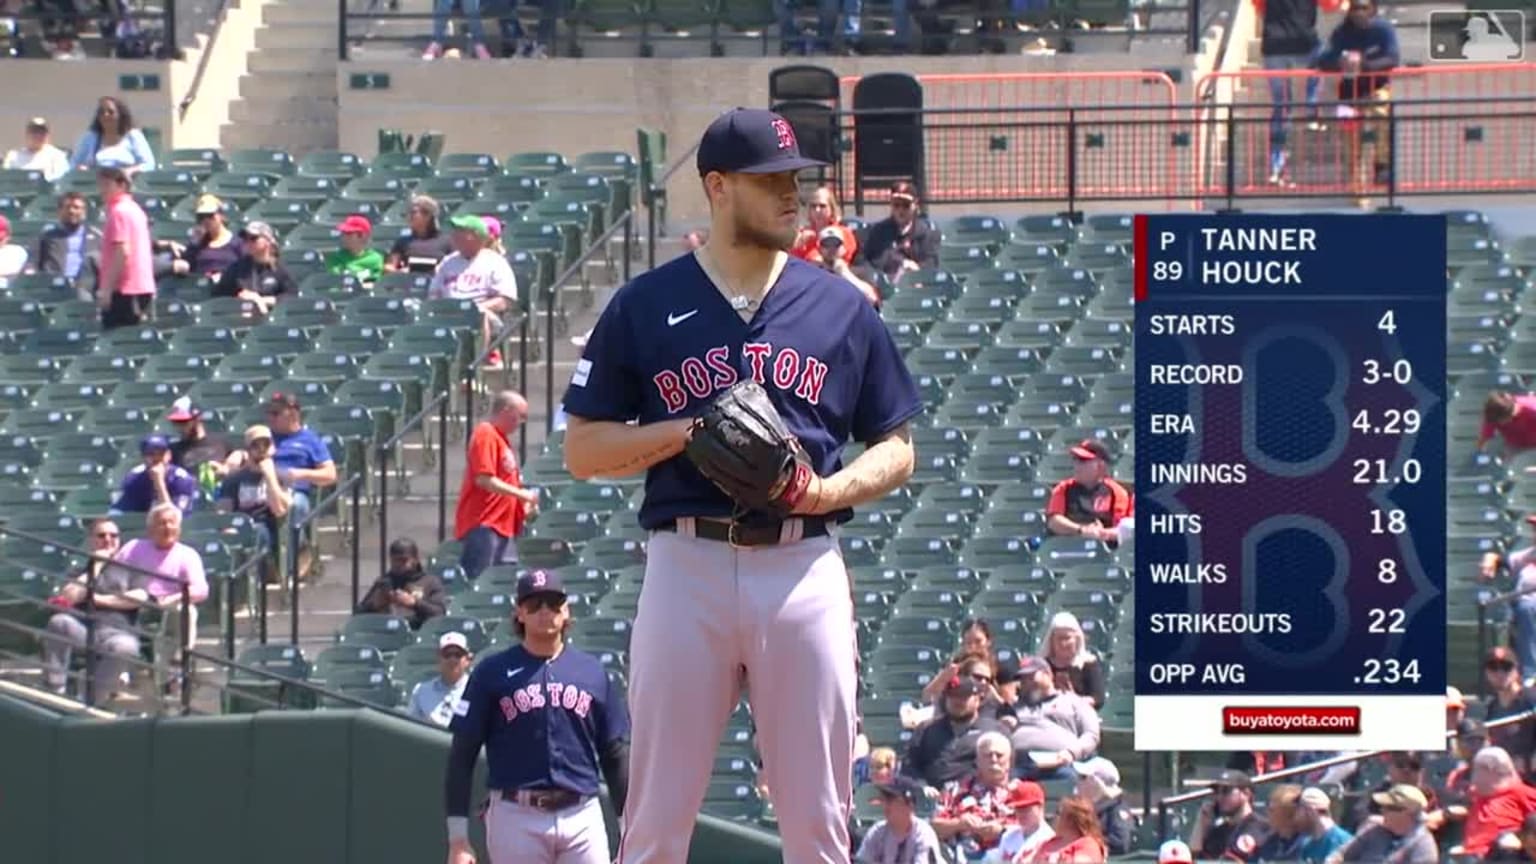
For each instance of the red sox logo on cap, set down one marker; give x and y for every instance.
(538, 578)
(785, 132)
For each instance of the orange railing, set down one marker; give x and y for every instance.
(1441, 129)
(1078, 137)
(1041, 135)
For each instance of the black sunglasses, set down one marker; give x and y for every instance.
(1502, 666)
(535, 602)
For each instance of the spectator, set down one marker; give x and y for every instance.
(1511, 417)
(822, 212)
(258, 275)
(977, 668)
(303, 460)
(493, 227)
(474, 272)
(1401, 838)
(1079, 838)
(1090, 503)
(1226, 826)
(113, 141)
(115, 616)
(1456, 790)
(1030, 831)
(901, 837)
(831, 240)
(162, 552)
(943, 750)
(975, 812)
(1508, 697)
(13, 256)
(255, 489)
(1284, 840)
(125, 293)
(205, 455)
(1175, 852)
(70, 247)
(1288, 41)
(1455, 708)
(1320, 836)
(407, 590)
(434, 699)
(1054, 728)
(1098, 783)
(441, 10)
(1516, 848)
(1364, 48)
(214, 249)
(1522, 563)
(38, 153)
(1077, 669)
(493, 502)
(425, 246)
(1404, 768)
(975, 642)
(155, 481)
(882, 765)
(355, 256)
(1500, 801)
(902, 242)
(514, 38)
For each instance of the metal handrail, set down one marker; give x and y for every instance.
(600, 244)
(1208, 786)
(658, 193)
(352, 485)
(202, 62)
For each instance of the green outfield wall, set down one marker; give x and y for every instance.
(278, 787)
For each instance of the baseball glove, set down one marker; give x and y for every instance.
(741, 443)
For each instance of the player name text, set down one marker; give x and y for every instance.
(1198, 472)
(1220, 622)
(1250, 272)
(1195, 373)
(1192, 325)
(1168, 572)
(1259, 239)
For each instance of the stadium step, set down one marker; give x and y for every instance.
(288, 97)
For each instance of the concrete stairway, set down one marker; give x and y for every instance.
(288, 97)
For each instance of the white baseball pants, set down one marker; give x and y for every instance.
(519, 834)
(712, 617)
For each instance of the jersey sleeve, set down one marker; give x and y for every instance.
(472, 713)
(605, 385)
(1057, 504)
(888, 396)
(482, 457)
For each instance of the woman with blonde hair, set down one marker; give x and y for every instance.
(1077, 669)
(822, 212)
(1078, 840)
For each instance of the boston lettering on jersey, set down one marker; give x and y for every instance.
(668, 342)
(552, 695)
(703, 378)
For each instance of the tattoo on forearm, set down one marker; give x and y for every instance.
(884, 466)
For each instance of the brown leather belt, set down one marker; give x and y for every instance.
(548, 800)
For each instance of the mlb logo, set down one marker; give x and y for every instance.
(1484, 36)
(785, 133)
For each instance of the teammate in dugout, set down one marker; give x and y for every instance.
(735, 595)
(550, 720)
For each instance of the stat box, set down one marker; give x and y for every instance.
(1482, 36)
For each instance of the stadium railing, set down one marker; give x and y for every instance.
(162, 16)
(713, 24)
(30, 608)
(1207, 790)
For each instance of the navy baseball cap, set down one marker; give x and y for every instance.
(154, 444)
(901, 788)
(751, 141)
(539, 582)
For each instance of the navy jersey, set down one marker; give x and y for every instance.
(543, 722)
(668, 342)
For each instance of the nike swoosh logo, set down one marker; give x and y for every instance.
(674, 320)
(512, 673)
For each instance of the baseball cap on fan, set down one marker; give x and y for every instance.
(751, 141)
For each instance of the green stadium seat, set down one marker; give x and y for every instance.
(101, 369)
(468, 165)
(40, 422)
(332, 164)
(386, 633)
(572, 525)
(386, 190)
(608, 163)
(475, 632)
(538, 164)
(262, 160)
(369, 686)
(612, 553)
